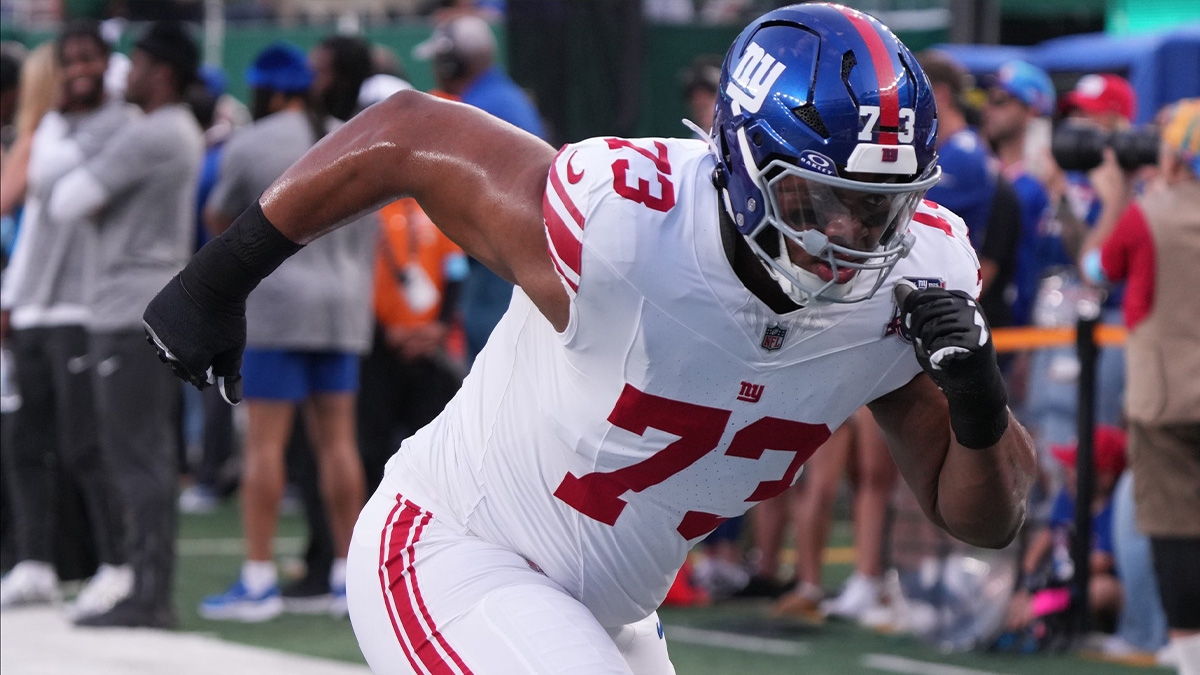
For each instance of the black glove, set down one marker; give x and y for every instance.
(202, 344)
(197, 322)
(953, 344)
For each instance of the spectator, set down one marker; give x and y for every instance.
(1047, 558)
(40, 85)
(1153, 242)
(340, 65)
(46, 294)
(1106, 102)
(463, 52)
(289, 367)
(700, 84)
(213, 477)
(1021, 94)
(139, 190)
(972, 188)
(408, 377)
(1142, 625)
(388, 77)
(10, 78)
(860, 599)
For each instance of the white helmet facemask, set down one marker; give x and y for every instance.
(814, 211)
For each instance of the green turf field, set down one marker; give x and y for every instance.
(733, 638)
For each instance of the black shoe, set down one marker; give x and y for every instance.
(761, 586)
(130, 614)
(307, 595)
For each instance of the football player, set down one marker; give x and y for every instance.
(691, 320)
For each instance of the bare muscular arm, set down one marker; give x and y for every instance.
(979, 496)
(480, 180)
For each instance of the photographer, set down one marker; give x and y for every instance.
(1097, 108)
(1153, 243)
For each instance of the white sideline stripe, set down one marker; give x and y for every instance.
(899, 664)
(746, 643)
(40, 640)
(235, 546)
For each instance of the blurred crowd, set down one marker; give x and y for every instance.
(117, 168)
(1072, 210)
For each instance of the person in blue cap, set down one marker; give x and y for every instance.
(314, 366)
(972, 187)
(1019, 96)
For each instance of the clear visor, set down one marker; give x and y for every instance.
(855, 223)
(848, 234)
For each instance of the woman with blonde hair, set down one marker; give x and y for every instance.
(41, 84)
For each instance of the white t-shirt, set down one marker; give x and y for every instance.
(674, 399)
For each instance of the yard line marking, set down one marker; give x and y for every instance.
(899, 664)
(219, 546)
(746, 643)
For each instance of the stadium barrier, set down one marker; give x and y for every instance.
(1088, 335)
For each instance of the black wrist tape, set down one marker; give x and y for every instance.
(224, 272)
(979, 417)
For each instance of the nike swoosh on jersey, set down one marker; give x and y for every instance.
(573, 177)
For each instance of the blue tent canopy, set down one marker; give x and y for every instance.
(1162, 67)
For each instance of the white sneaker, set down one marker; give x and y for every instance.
(860, 595)
(110, 585)
(721, 578)
(29, 582)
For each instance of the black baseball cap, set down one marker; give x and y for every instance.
(170, 42)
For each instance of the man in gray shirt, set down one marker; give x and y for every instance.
(44, 299)
(140, 193)
(306, 329)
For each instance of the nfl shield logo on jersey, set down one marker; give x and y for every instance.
(894, 327)
(773, 337)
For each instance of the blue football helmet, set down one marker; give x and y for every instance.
(823, 118)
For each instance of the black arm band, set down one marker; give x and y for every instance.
(224, 272)
(979, 417)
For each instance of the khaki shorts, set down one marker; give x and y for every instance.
(1165, 460)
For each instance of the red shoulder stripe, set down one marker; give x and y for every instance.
(561, 191)
(934, 221)
(564, 241)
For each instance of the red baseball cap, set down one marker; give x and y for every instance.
(1099, 94)
(1108, 450)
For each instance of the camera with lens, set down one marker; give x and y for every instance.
(1079, 147)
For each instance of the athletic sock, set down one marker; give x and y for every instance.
(337, 573)
(258, 576)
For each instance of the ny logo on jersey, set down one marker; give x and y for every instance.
(755, 75)
(751, 393)
(773, 337)
(895, 326)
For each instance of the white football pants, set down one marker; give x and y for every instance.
(427, 600)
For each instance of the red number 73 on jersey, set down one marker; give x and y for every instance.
(641, 192)
(598, 495)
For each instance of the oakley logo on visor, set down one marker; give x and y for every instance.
(755, 75)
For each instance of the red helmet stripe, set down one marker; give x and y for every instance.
(885, 75)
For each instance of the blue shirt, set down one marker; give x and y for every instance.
(967, 186)
(1034, 206)
(494, 93)
(485, 296)
(1062, 515)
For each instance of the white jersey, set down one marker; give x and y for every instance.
(674, 399)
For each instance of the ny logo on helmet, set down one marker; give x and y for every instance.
(755, 75)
